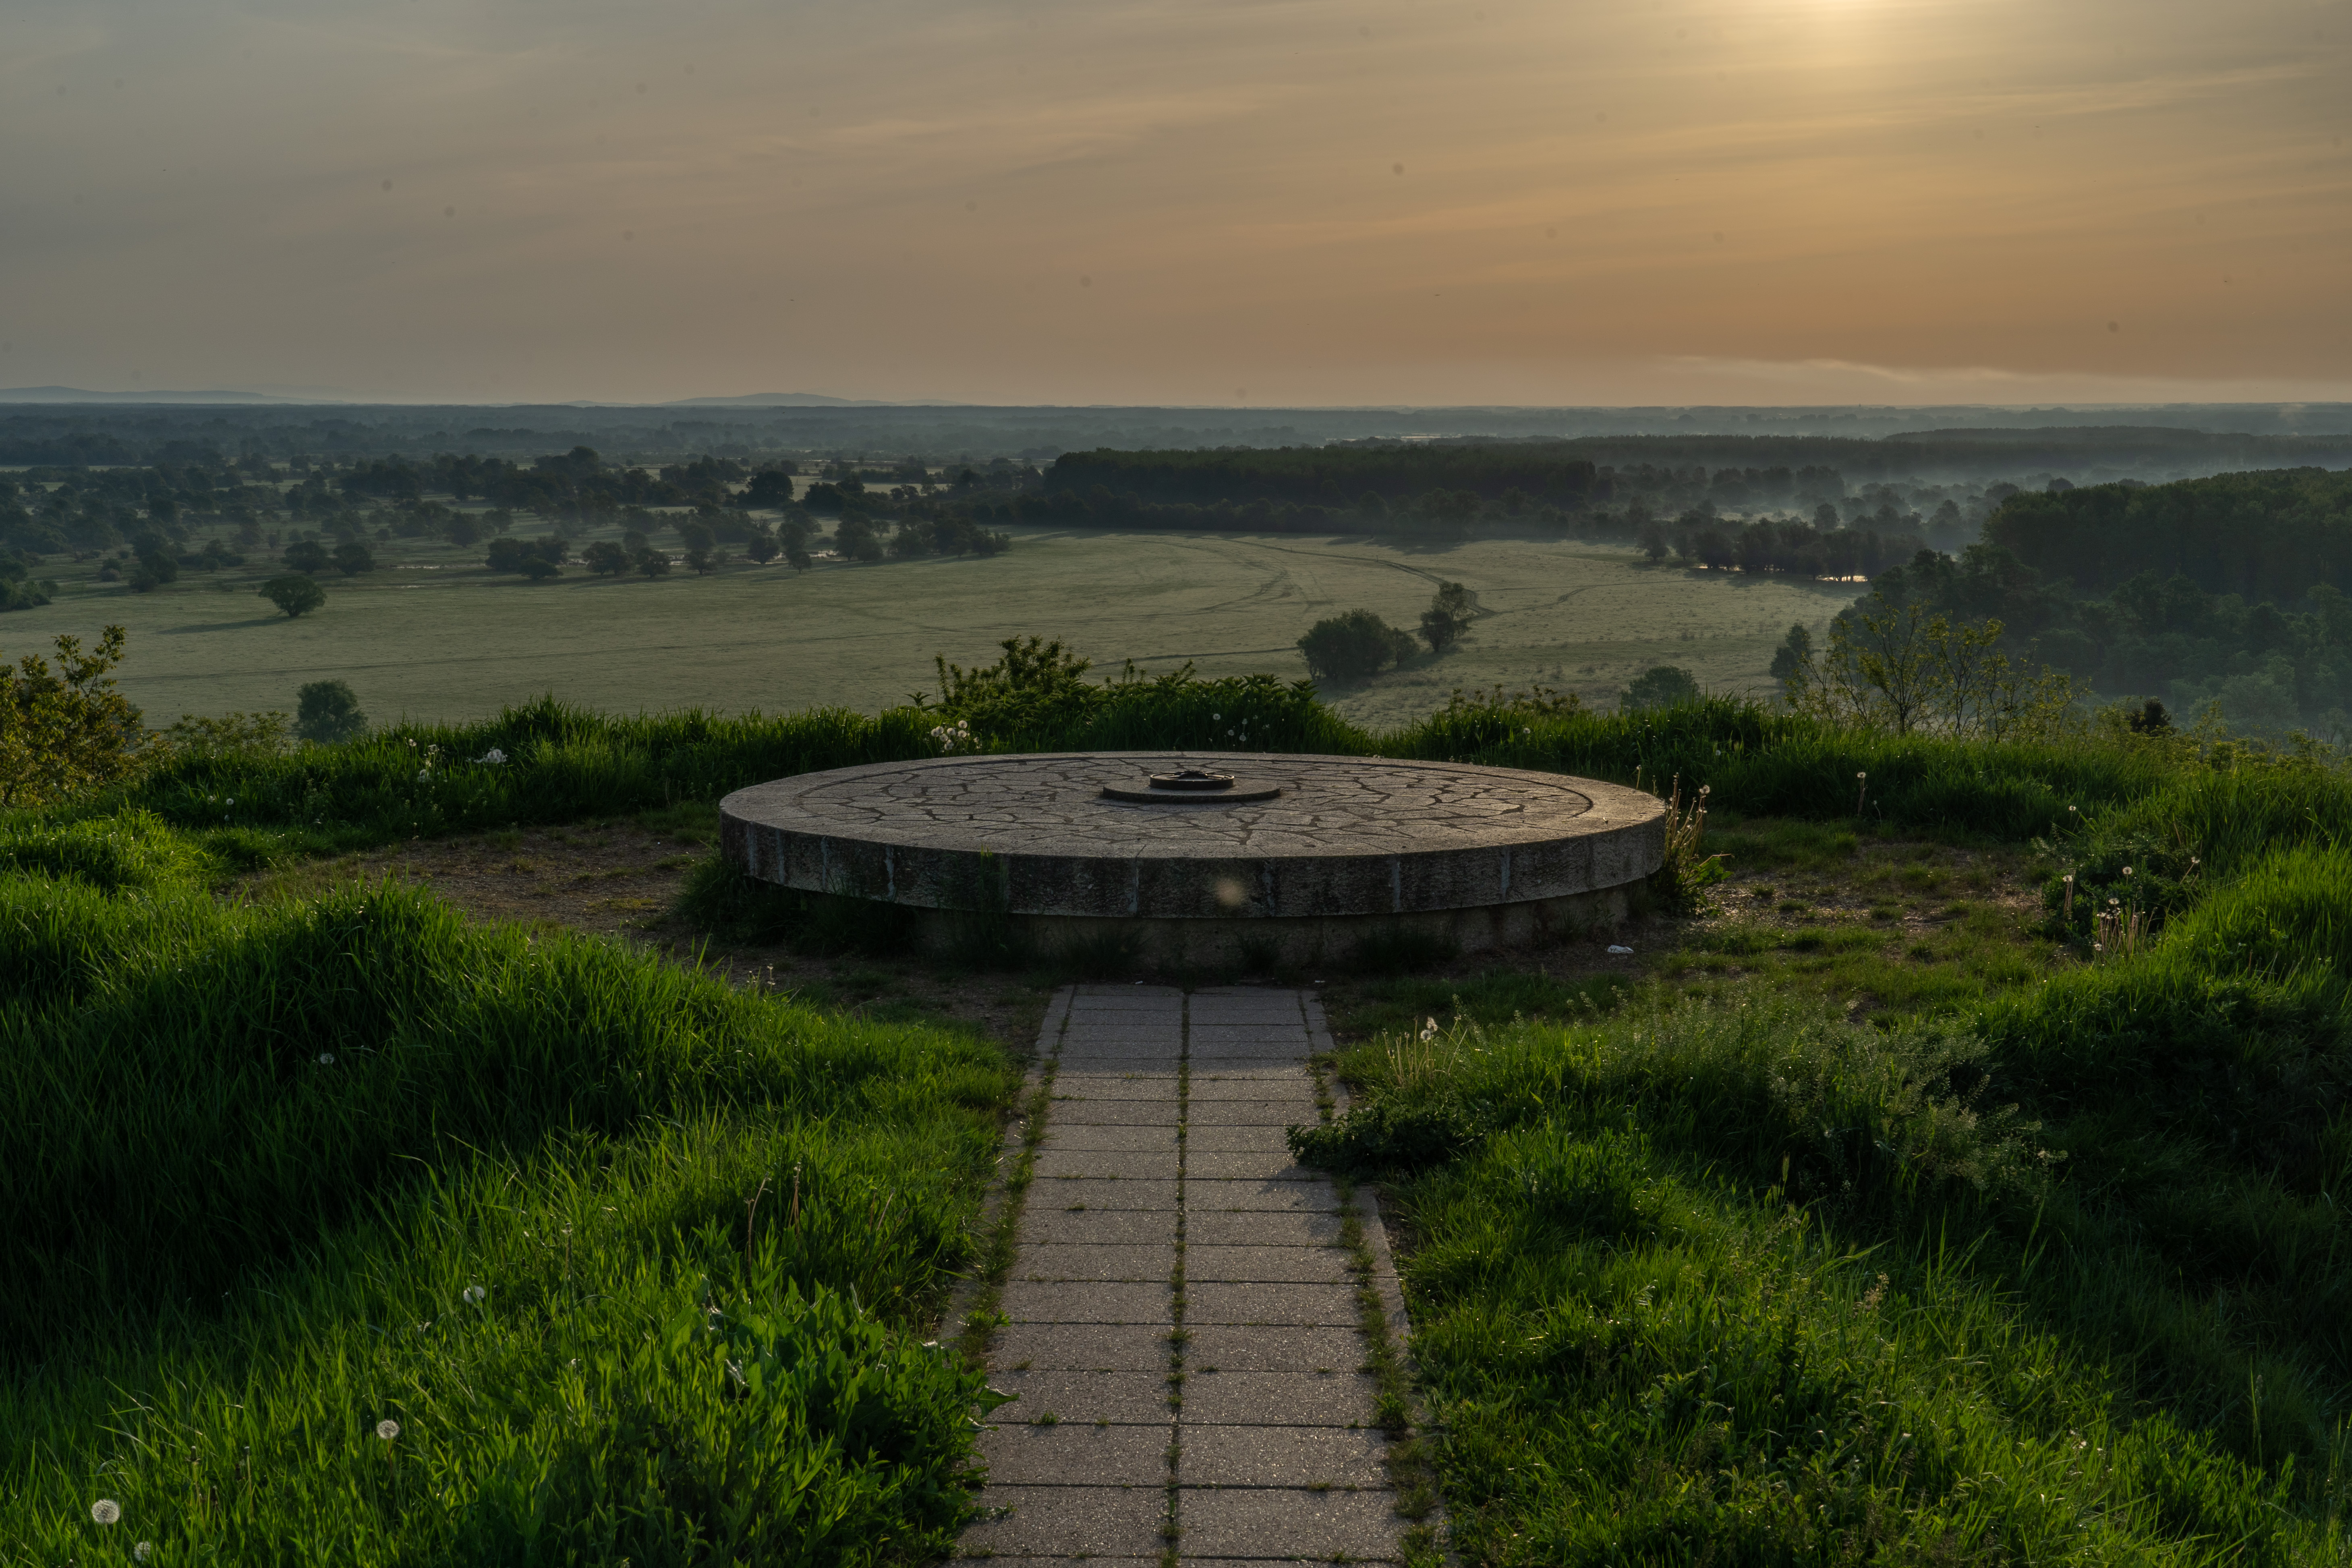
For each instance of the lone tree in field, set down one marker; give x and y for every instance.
(1447, 619)
(327, 711)
(1667, 686)
(354, 558)
(294, 594)
(1353, 647)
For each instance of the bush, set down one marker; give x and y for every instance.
(295, 596)
(1356, 645)
(1666, 686)
(327, 711)
(67, 729)
(306, 556)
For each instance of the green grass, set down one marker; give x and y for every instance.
(2049, 1258)
(260, 1156)
(1746, 1282)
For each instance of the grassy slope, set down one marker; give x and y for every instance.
(1750, 1175)
(260, 1157)
(436, 634)
(1737, 1279)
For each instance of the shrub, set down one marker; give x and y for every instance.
(67, 729)
(327, 711)
(1666, 686)
(1356, 645)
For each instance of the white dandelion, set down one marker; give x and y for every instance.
(143, 1551)
(387, 1430)
(326, 1059)
(474, 1294)
(106, 1510)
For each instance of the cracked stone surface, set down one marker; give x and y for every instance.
(1185, 1344)
(1348, 837)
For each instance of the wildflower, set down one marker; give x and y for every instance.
(2127, 871)
(1429, 1029)
(494, 757)
(387, 1430)
(326, 1059)
(474, 1294)
(143, 1551)
(106, 1510)
(423, 774)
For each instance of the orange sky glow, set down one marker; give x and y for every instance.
(1184, 201)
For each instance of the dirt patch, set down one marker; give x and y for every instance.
(619, 880)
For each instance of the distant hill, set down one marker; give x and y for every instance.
(79, 394)
(780, 400)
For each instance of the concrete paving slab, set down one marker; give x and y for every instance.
(1112, 1083)
(1296, 1197)
(1225, 1399)
(1099, 1193)
(1229, 1348)
(1219, 1138)
(1055, 1164)
(1051, 1455)
(1109, 1113)
(1045, 1225)
(1266, 1164)
(1206, 1264)
(1257, 1111)
(1239, 1082)
(1122, 1398)
(1263, 1522)
(1079, 1347)
(1061, 1135)
(1067, 1521)
(1089, 1261)
(1270, 1305)
(1205, 1228)
(1091, 1301)
(1282, 1455)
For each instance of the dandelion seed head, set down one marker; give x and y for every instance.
(326, 1059)
(387, 1430)
(143, 1551)
(474, 1294)
(106, 1510)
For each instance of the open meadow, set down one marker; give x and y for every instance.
(433, 635)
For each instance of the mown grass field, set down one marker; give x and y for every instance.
(434, 636)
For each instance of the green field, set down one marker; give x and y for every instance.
(434, 636)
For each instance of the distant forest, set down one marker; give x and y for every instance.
(2229, 589)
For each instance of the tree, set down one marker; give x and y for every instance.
(295, 596)
(1447, 619)
(653, 563)
(306, 556)
(1353, 647)
(327, 711)
(854, 537)
(1908, 668)
(67, 730)
(606, 559)
(462, 531)
(696, 535)
(1664, 686)
(762, 546)
(354, 558)
(700, 561)
(1654, 539)
(1792, 658)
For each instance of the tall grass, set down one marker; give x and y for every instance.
(260, 1157)
(1755, 1284)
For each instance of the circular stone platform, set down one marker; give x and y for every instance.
(1348, 849)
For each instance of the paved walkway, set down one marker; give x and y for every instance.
(1184, 1332)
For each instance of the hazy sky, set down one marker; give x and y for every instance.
(1181, 201)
